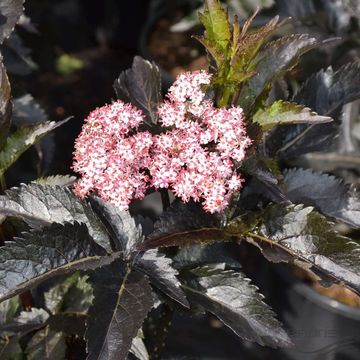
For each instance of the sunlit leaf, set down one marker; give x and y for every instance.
(300, 235)
(42, 254)
(285, 113)
(230, 296)
(161, 273)
(19, 141)
(40, 205)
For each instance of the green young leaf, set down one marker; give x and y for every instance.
(215, 20)
(125, 232)
(141, 85)
(184, 224)
(230, 296)
(46, 345)
(273, 61)
(56, 180)
(327, 193)
(25, 136)
(5, 103)
(300, 235)
(27, 111)
(285, 113)
(246, 45)
(161, 273)
(40, 205)
(122, 299)
(42, 254)
(10, 12)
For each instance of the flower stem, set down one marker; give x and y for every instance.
(165, 199)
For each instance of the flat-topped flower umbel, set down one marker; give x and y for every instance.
(193, 156)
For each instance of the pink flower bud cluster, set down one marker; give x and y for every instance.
(194, 155)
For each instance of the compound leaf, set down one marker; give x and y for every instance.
(300, 235)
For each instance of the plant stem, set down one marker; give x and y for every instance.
(2, 182)
(165, 199)
(163, 322)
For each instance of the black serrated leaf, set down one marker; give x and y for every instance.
(324, 92)
(17, 57)
(274, 60)
(295, 8)
(10, 12)
(300, 235)
(141, 85)
(328, 90)
(125, 232)
(328, 194)
(5, 103)
(40, 205)
(161, 273)
(338, 15)
(267, 180)
(184, 224)
(42, 254)
(237, 303)
(122, 299)
(27, 111)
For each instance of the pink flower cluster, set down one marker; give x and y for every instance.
(194, 156)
